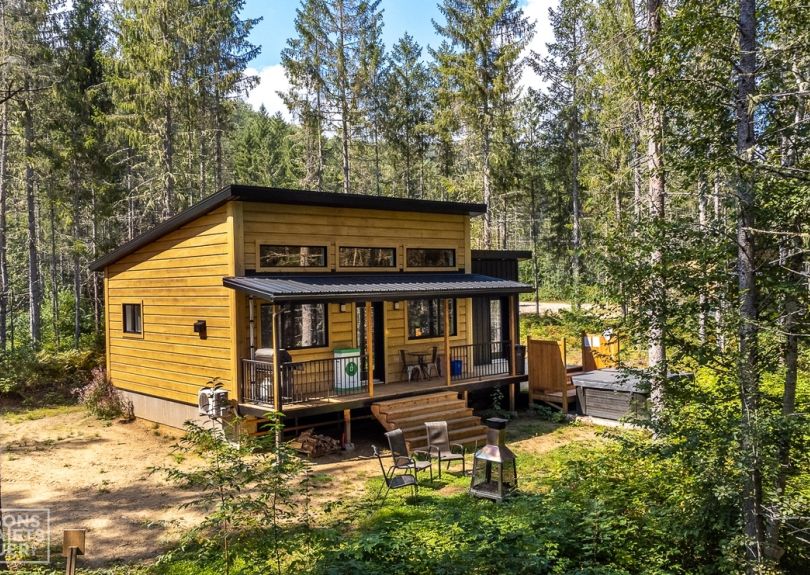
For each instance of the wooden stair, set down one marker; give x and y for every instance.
(410, 414)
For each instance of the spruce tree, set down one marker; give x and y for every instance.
(483, 59)
(408, 114)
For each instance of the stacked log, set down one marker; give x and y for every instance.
(313, 445)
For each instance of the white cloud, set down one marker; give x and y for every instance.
(271, 81)
(537, 11)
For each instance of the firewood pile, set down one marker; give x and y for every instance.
(313, 445)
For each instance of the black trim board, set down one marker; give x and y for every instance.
(290, 197)
(501, 254)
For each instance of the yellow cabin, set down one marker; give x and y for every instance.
(287, 297)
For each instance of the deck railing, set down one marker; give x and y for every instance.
(480, 360)
(303, 381)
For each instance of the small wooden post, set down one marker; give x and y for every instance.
(72, 547)
(446, 310)
(370, 349)
(347, 426)
(513, 349)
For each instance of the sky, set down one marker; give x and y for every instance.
(399, 16)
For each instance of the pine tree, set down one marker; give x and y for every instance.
(408, 114)
(564, 70)
(483, 62)
(81, 150)
(303, 60)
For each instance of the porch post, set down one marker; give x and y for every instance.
(276, 371)
(252, 325)
(446, 310)
(512, 336)
(276, 375)
(512, 348)
(370, 349)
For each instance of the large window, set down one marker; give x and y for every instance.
(302, 325)
(426, 318)
(277, 256)
(351, 257)
(431, 257)
(133, 321)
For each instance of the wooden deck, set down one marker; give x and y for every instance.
(383, 391)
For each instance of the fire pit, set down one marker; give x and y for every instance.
(494, 474)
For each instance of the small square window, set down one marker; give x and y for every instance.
(133, 321)
(426, 318)
(280, 256)
(431, 257)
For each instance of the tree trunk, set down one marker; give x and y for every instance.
(703, 220)
(637, 176)
(94, 276)
(576, 203)
(34, 281)
(4, 278)
(656, 353)
(344, 98)
(168, 165)
(130, 198)
(794, 262)
(54, 273)
(535, 251)
(748, 362)
(77, 277)
(487, 186)
(720, 304)
(219, 160)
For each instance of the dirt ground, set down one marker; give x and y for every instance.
(96, 475)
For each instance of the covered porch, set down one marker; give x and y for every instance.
(384, 336)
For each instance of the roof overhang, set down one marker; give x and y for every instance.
(286, 196)
(382, 287)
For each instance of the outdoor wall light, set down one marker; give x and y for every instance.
(200, 328)
(344, 307)
(397, 304)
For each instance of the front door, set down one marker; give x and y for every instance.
(378, 327)
(490, 318)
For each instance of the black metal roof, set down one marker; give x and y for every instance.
(395, 286)
(286, 196)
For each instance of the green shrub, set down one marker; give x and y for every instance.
(102, 399)
(47, 377)
(244, 487)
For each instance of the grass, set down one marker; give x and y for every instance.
(442, 530)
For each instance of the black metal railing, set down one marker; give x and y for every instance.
(304, 381)
(480, 360)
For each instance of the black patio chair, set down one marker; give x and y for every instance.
(439, 446)
(433, 365)
(393, 481)
(419, 460)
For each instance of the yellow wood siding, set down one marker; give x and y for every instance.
(178, 280)
(332, 227)
(396, 336)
